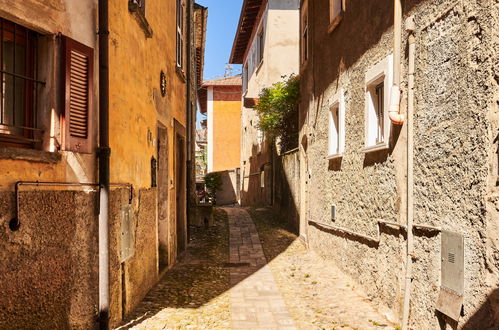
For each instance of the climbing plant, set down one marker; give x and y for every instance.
(277, 110)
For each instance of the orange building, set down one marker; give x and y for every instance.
(220, 100)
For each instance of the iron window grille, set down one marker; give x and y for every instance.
(19, 85)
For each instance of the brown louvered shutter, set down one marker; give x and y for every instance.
(78, 91)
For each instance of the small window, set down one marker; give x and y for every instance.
(378, 83)
(18, 95)
(260, 47)
(245, 78)
(304, 32)
(336, 10)
(180, 34)
(262, 179)
(336, 139)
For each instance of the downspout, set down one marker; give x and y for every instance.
(394, 111)
(103, 154)
(189, 117)
(410, 171)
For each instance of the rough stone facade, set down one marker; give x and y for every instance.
(455, 160)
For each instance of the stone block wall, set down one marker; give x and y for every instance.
(455, 162)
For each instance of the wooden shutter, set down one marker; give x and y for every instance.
(78, 91)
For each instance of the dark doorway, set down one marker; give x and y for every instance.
(162, 178)
(180, 191)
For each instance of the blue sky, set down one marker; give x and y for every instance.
(223, 16)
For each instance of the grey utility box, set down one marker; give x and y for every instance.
(450, 299)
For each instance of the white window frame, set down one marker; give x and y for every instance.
(336, 131)
(379, 73)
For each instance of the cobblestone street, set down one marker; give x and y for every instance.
(249, 271)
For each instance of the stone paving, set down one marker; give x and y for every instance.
(255, 299)
(251, 272)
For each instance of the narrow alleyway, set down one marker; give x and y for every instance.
(261, 277)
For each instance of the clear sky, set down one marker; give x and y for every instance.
(223, 16)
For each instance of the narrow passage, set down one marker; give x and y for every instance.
(255, 300)
(250, 271)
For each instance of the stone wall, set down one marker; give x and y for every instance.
(49, 266)
(287, 187)
(455, 165)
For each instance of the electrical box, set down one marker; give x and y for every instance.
(450, 299)
(127, 233)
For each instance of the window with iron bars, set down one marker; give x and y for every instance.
(180, 34)
(19, 89)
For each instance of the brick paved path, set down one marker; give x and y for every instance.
(255, 300)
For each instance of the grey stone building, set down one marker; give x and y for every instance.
(400, 189)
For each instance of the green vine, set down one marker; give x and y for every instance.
(277, 110)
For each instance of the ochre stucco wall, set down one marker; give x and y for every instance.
(136, 104)
(226, 134)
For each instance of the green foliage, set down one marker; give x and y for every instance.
(277, 110)
(213, 183)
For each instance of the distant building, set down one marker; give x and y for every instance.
(267, 45)
(220, 100)
(201, 154)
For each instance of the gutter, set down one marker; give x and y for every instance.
(104, 168)
(189, 115)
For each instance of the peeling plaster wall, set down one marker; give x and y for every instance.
(455, 164)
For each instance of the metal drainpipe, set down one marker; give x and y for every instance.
(394, 111)
(410, 172)
(189, 117)
(104, 154)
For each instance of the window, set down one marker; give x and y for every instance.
(304, 32)
(180, 34)
(245, 78)
(336, 136)
(18, 93)
(378, 82)
(260, 47)
(336, 10)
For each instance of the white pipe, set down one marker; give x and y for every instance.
(410, 172)
(394, 111)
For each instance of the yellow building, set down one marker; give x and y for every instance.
(49, 149)
(220, 100)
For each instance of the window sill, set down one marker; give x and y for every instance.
(180, 73)
(30, 155)
(141, 19)
(335, 156)
(376, 147)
